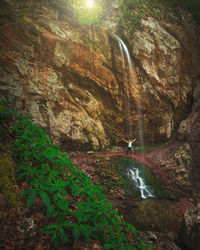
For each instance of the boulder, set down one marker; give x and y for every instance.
(190, 229)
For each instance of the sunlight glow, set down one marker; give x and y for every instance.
(90, 3)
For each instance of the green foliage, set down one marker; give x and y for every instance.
(72, 203)
(85, 14)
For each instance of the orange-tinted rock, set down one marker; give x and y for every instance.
(70, 77)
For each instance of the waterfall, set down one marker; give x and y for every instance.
(133, 173)
(139, 183)
(132, 77)
(122, 48)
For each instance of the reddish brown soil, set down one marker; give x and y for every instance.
(10, 218)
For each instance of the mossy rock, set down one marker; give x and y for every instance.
(7, 180)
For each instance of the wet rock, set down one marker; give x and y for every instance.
(183, 164)
(155, 215)
(189, 130)
(151, 236)
(159, 240)
(183, 130)
(27, 228)
(169, 245)
(190, 228)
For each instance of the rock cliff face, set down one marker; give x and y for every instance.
(189, 130)
(190, 230)
(70, 77)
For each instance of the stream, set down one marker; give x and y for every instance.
(145, 191)
(147, 205)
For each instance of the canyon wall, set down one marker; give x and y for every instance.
(70, 77)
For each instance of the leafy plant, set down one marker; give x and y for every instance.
(73, 204)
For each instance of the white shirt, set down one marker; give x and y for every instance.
(130, 144)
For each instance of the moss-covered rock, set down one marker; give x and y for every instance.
(7, 180)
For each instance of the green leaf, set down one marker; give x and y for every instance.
(52, 189)
(109, 246)
(31, 197)
(130, 228)
(76, 231)
(50, 227)
(86, 231)
(67, 224)
(21, 175)
(45, 198)
(63, 236)
(55, 239)
(51, 212)
(62, 204)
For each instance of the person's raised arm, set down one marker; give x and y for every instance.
(124, 140)
(133, 140)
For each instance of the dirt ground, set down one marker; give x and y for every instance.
(13, 227)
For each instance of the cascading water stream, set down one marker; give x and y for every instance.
(134, 172)
(139, 183)
(127, 99)
(124, 50)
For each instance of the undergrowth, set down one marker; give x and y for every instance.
(74, 207)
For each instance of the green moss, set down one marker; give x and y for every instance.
(7, 180)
